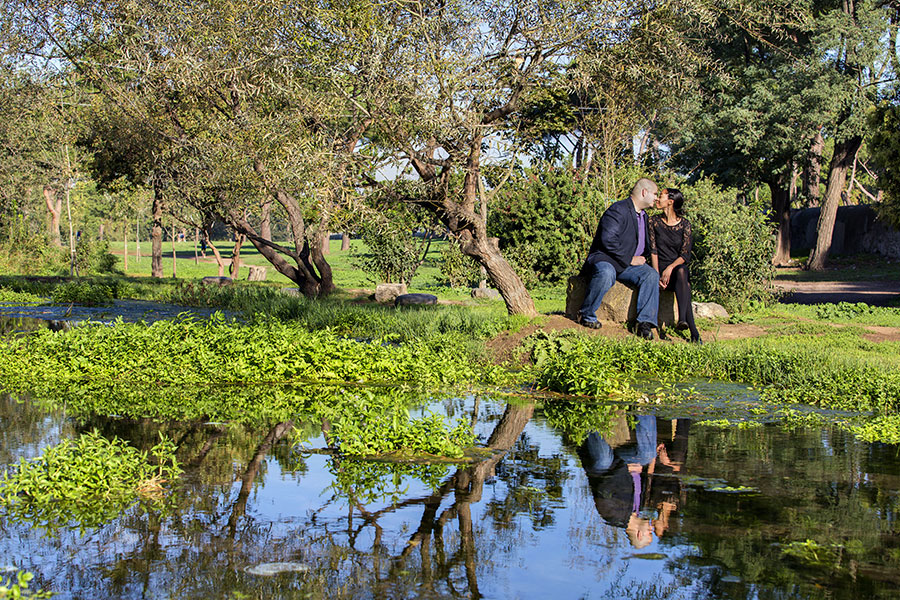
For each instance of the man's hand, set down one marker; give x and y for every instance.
(637, 261)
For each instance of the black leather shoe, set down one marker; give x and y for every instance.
(589, 324)
(682, 325)
(695, 339)
(645, 330)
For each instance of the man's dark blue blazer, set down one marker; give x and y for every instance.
(616, 238)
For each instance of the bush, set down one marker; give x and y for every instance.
(86, 293)
(545, 219)
(94, 258)
(394, 252)
(733, 247)
(457, 269)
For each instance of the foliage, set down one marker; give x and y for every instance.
(94, 258)
(374, 481)
(797, 369)
(17, 589)
(457, 269)
(545, 219)
(369, 423)
(575, 419)
(188, 351)
(884, 147)
(733, 247)
(27, 253)
(13, 297)
(89, 480)
(87, 293)
(395, 245)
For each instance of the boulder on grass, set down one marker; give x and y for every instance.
(709, 310)
(217, 281)
(487, 293)
(386, 293)
(415, 299)
(619, 304)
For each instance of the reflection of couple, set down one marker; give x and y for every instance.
(650, 254)
(621, 478)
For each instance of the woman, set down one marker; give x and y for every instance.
(670, 251)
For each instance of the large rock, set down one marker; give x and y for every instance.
(619, 304)
(217, 281)
(414, 299)
(709, 310)
(386, 293)
(291, 291)
(487, 293)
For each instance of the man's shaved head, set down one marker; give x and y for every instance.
(644, 184)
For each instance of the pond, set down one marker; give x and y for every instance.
(652, 507)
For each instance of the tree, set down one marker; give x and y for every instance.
(857, 45)
(885, 149)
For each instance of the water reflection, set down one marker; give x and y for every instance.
(630, 479)
(645, 508)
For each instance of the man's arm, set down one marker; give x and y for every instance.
(615, 225)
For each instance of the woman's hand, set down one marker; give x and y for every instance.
(665, 276)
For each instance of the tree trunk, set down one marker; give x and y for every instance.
(345, 242)
(156, 236)
(470, 228)
(216, 253)
(101, 232)
(125, 253)
(235, 267)
(844, 153)
(174, 255)
(781, 216)
(812, 170)
(54, 207)
(265, 223)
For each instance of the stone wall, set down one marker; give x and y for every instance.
(856, 229)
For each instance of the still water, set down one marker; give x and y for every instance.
(655, 507)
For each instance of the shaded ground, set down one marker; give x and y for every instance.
(874, 293)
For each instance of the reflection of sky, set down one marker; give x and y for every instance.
(294, 516)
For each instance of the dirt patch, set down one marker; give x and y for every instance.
(502, 348)
(882, 334)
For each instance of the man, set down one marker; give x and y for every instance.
(620, 250)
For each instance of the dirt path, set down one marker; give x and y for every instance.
(875, 293)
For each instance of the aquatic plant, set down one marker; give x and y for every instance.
(213, 351)
(834, 372)
(88, 480)
(16, 588)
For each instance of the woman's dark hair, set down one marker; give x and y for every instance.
(677, 199)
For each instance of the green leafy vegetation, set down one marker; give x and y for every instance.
(83, 292)
(88, 481)
(838, 371)
(17, 588)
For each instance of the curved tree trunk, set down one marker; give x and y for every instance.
(235, 267)
(54, 207)
(844, 154)
(781, 215)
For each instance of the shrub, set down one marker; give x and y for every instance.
(457, 269)
(545, 219)
(86, 293)
(733, 246)
(94, 258)
(394, 252)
